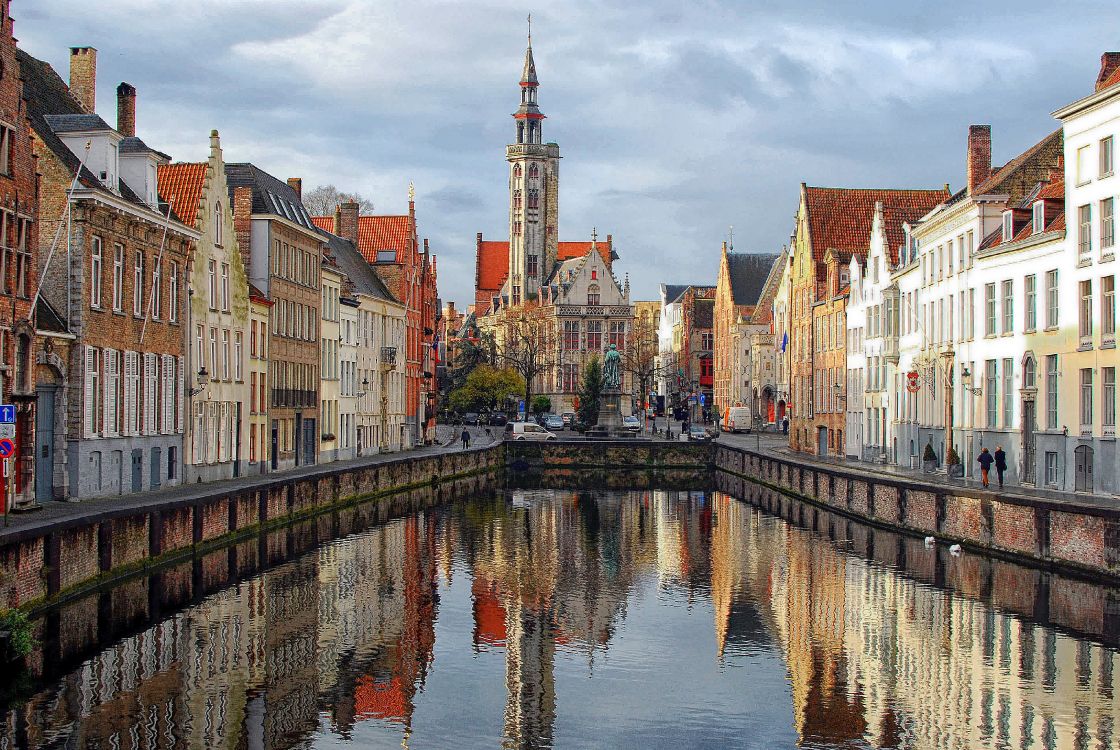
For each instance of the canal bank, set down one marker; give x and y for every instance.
(76, 547)
(1081, 537)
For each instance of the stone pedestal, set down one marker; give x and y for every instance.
(610, 417)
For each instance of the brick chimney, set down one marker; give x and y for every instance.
(296, 183)
(126, 109)
(83, 77)
(1110, 61)
(346, 221)
(243, 222)
(979, 155)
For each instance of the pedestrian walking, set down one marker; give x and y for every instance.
(1001, 464)
(985, 460)
(466, 437)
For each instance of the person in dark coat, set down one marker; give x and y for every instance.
(1001, 464)
(466, 436)
(985, 459)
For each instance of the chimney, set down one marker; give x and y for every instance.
(295, 183)
(126, 109)
(979, 155)
(1110, 61)
(243, 222)
(83, 77)
(346, 221)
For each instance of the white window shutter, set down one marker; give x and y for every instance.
(91, 368)
(132, 388)
(110, 373)
(179, 401)
(150, 390)
(168, 375)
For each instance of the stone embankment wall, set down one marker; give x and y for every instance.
(1084, 537)
(609, 465)
(43, 565)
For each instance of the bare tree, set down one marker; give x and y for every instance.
(639, 357)
(527, 343)
(322, 201)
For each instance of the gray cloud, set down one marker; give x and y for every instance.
(674, 120)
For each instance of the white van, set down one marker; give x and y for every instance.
(737, 419)
(527, 431)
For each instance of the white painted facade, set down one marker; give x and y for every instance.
(330, 363)
(348, 380)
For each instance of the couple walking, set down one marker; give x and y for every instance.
(986, 459)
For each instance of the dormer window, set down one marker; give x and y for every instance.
(1008, 225)
(1038, 217)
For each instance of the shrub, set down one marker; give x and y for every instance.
(929, 454)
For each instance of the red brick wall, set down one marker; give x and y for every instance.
(78, 560)
(215, 519)
(177, 529)
(1077, 537)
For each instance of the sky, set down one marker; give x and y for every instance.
(675, 120)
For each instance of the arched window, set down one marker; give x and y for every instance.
(1028, 370)
(516, 170)
(593, 294)
(534, 172)
(534, 198)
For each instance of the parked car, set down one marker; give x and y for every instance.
(471, 417)
(569, 418)
(631, 423)
(698, 433)
(497, 419)
(527, 431)
(553, 422)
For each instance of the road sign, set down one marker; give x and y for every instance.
(7, 413)
(7, 448)
(701, 399)
(521, 405)
(8, 431)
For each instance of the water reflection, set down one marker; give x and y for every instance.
(575, 619)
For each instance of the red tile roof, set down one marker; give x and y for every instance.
(181, 185)
(1112, 80)
(492, 264)
(840, 218)
(376, 233)
(1055, 190)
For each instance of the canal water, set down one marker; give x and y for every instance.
(574, 619)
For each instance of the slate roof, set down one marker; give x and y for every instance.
(47, 319)
(133, 145)
(764, 310)
(840, 218)
(703, 312)
(748, 272)
(674, 292)
(49, 100)
(354, 265)
(181, 184)
(270, 195)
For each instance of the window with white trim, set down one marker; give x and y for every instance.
(173, 291)
(167, 398)
(1008, 225)
(238, 354)
(212, 286)
(1052, 298)
(118, 277)
(1108, 224)
(112, 376)
(1108, 400)
(1038, 217)
(156, 286)
(225, 287)
(93, 393)
(132, 393)
(1108, 310)
(1084, 232)
(1085, 313)
(1105, 156)
(138, 283)
(1086, 410)
(94, 270)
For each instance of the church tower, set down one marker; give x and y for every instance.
(533, 180)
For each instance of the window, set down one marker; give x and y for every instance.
(200, 348)
(218, 223)
(1108, 400)
(1108, 224)
(93, 392)
(225, 287)
(1085, 313)
(571, 335)
(1052, 299)
(238, 345)
(132, 393)
(151, 388)
(1082, 174)
(214, 353)
(173, 291)
(118, 277)
(989, 309)
(167, 395)
(1038, 217)
(1008, 225)
(94, 271)
(594, 335)
(531, 266)
(212, 282)
(252, 393)
(1106, 157)
(1108, 310)
(1051, 391)
(253, 338)
(618, 334)
(7, 144)
(1084, 232)
(1008, 390)
(112, 374)
(1028, 372)
(1008, 306)
(1052, 468)
(1030, 295)
(593, 294)
(1086, 399)
(991, 390)
(138, 284)
(156, 286)
(225, 354)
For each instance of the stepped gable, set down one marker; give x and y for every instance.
(840, 218)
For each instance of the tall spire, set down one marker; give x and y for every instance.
(529, 71)
(528, 116)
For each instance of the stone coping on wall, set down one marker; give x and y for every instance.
(622, 454)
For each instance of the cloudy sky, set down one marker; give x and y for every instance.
(675, 119)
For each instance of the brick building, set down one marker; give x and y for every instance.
(392, 246)
(117, 281)
(283, 252)
(831, 225)
(19, 276)
(697, 345)
(216, 434)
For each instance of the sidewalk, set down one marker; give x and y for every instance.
(55, 512)
(779, 448)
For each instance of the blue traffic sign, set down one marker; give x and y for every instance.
(521, 405)
(701, 399)
(7, 414)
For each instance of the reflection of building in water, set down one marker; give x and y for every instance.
(877, 657)
(683, 523)
(738, 620)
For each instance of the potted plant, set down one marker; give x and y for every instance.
(953, 463)
(929, 459)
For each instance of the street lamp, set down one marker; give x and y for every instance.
(203, 380)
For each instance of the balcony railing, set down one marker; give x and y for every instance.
(388, 356)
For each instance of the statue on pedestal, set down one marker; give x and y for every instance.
(612, 377)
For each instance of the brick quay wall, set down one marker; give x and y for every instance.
(40, 566)
(1082, 538)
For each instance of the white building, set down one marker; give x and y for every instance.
(330, 362)
(349, 311)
